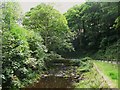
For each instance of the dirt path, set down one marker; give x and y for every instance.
(108, 81)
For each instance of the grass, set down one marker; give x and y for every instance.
(109, 70)
(91, 79)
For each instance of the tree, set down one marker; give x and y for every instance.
(117, 25)
(11, 13)
(93, 24)
(23, 51)
(51, 25)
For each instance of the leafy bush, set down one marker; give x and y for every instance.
(91, 79)
(75, 62)
(52, 56)
(52, 26)
(111, 52)
(86, 59)
(22, 57)
(113, 75)
(85, 64)
(37, 49)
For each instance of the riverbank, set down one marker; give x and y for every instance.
(110, 71)
(62, 75)
(92, 79)
(77, 73)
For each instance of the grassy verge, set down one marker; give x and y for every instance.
(109, 70)
(90, 78)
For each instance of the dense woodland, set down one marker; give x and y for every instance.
(96, 28)
(91, 29)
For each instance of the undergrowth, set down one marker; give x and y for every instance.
(90, 77)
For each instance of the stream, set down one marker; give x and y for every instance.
(53, 82)
(61, 76)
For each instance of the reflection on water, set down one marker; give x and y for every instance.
(54, 82)
(59, 77)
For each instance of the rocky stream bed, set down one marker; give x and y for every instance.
(61, 76)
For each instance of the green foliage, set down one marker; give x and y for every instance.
(110, 71)
(93, 23)
(86, 59)
(11, 13)
(117, 26)
(26, 52)
(75, 62)
(113, 75)
(85, 64)
(21, 62)
(117, 21)
(37, 49)
(52, 56)
(92, 80)
(111, 52)
(51, 25)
